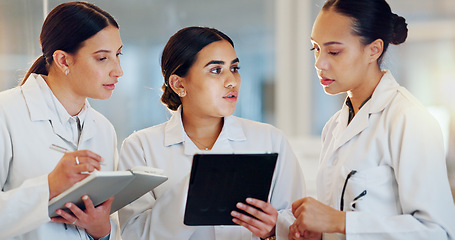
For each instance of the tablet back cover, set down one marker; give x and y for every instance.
(98, 186)
(219, 181)
(141, 184)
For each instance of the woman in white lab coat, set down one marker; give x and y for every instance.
(49, 112)
(202, 83)
(382, 172)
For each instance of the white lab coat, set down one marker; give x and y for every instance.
(396, 147)
(159, 214)
(27, 129)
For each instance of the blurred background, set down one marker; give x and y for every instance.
(279, 83)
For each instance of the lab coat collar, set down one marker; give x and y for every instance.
(173, 131)
(89, 130)
(175, 134)
(34, 98)
(62, 118)
(381, 97)
(39, 110)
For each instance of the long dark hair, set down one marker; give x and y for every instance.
(373, 19)
(65, 28)
(180, 53)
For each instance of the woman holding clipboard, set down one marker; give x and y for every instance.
(201, 84)
(49, 111)
(382, 172)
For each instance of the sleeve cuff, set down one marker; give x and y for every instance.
(103, 238)
(285, 219)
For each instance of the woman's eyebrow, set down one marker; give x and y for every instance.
(221, 62)
(102, 51)
(214, 62)
(328, 43)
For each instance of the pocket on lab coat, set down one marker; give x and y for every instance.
(373, 190)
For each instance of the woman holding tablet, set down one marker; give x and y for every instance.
(382, 172)
(48, 111)
(201, 84)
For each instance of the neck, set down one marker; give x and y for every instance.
(65, 94)
(361, 93)
(203, 131)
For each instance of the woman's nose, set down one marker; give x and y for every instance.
(232, 80)
(117, 71)
(321, 63)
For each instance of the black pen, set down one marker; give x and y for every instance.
(358, 198)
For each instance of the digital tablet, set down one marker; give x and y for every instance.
(126, 186)
(219, 181)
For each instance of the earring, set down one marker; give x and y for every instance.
(182, 94)
(67, 71)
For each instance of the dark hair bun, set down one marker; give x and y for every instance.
(170, 98)
(400, 30)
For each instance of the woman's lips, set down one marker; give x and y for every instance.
(109, 86)
(231, 96)
(326, 81)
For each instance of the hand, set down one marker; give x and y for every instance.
(68, 172)
(294, 234)
(95, 221)
(263, 225)
(314, 216)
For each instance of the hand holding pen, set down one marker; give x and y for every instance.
(72, 168)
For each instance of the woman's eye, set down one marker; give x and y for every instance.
(315, 49)
(235, 69)
(334, 53)
(102, 59)
(215, 70)
(118, 54)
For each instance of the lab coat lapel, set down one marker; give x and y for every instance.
(232, 131)
(341, 124)
(60, 130)
(343, 132)
(35, 100)
(381, 97)
(174, 133)
(38, 109)
(89, 128)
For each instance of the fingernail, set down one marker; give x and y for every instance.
(68, 205)
(249, 200)
(240, 205)
(85, 197)
(234, 213)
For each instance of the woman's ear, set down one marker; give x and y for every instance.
(62, 61)
(177, 85)
(375, 50)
